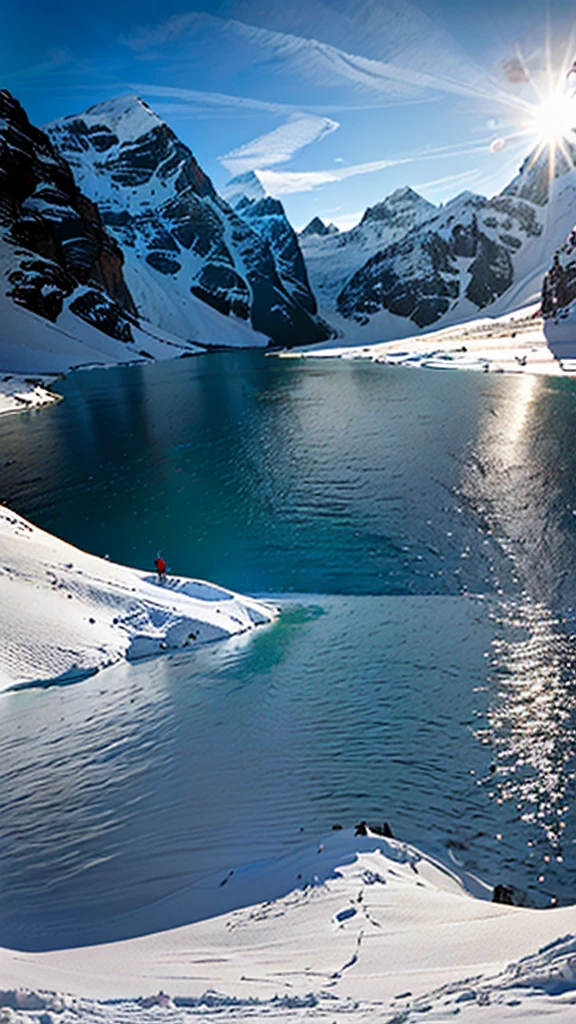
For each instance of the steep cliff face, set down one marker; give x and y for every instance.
(268, 218)
(181, 241)
(53, 245)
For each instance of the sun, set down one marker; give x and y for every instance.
(553, 120)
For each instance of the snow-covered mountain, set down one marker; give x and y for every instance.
(268, 219)
(409, 263)
(64, 300)
(332, 258)
(181, 241)
(461, 259)
(243, 186)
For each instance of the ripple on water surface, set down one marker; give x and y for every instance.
(451, 717)
(151, 781)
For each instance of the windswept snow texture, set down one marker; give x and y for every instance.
(67, 614)
(356, 929)
(181, 241)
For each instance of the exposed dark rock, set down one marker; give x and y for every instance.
(164, 212)
(269, 220)
(465, 238)
(225, 289)
(503, 894)
(96, 308)
(559, 285)
(43, 211)
(490, 274)
(163, 263)
(414, 278)
(40, 285)
(317, 227)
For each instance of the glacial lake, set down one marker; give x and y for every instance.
(417, 528)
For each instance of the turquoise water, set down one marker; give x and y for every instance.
(419, 529)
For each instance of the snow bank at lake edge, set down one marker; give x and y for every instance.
(21, 394)
(68, 614)
(363, 928)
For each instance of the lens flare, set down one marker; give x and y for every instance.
(554, 119)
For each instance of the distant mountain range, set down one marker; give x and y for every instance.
(409, 264)
(111, 231)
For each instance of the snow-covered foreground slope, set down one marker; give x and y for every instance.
(359, 928)
(67, 614)
(32, 345)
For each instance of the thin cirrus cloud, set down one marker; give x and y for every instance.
(413, 39)
(280, 145)
(197, 98)
(289, 182)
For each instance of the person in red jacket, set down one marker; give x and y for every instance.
(160, 568)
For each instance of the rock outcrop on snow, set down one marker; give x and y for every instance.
(53, 245)
(180, 239)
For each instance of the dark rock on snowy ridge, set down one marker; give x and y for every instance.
(52, 237)
(181, 241)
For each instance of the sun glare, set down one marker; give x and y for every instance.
(554, 119)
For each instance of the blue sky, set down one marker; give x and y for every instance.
(336, 103)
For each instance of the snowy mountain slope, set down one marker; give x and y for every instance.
(267, 217)
(466, 252)
(332, 258)
(180, 239)
(413, 264)
(357, 929)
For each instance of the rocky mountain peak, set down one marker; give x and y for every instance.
(183, 242)
(317, 227)
(123, 142)
(403, 206)
(244, 186)
(128, 116)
